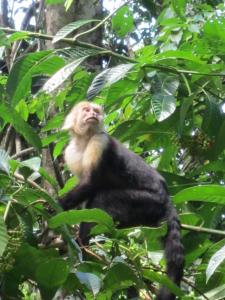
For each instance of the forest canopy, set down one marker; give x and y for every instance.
(158, 69)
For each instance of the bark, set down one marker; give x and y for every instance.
(4, 20)
(57, 17)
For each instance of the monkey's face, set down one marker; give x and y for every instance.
(91, 115)
(84, 118)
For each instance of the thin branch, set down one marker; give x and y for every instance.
(109, 52)
(23, 153)
(195, 288)
(31, 182)
(202, 229)
(100, 23)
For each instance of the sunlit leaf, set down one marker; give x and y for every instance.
(69, 28)
(92, 282)
(108, 77)
(163, 106)
(59, 77)
(215, 262)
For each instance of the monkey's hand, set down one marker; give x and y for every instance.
(76, 196)
(65, 203)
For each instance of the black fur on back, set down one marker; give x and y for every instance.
(134, 194)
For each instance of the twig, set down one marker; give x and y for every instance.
(100, 23)
(23, 153)
(195, 288)
(31, 182)
(203, 229)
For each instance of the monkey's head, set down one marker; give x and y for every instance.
(85, 118)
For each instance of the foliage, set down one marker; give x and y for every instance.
(165, 99)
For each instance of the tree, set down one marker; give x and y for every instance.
(162, 86)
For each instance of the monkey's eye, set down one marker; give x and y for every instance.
(97, 111)
(87, 109)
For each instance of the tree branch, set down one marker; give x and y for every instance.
(202, 229)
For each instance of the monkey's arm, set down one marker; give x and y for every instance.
(79, 194)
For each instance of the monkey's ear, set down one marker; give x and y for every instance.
(69, 122)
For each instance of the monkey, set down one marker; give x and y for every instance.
(118, 181)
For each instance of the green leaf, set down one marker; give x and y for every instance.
(163, 280)
(69, 28)
(220, 140)
(59, 77)
(212, 119)
(73, 217)
(119, 276)
(107, 78)
(54, 123)
(205, 193)
(69, 185)
(123, 22)
(214, 262)
(91, 281)
(52, 273)
(185, 106)
(217, 293)
(20, 77)
(4, 161)
(18, 36)
(3, 236)
(9, 115)
(163, 106)
(179, 7)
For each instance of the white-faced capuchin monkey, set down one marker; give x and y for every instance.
(119, 182)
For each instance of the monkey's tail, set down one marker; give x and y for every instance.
(174, 253)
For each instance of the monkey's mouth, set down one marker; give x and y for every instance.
(92, 119)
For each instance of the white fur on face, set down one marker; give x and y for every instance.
(77, 123)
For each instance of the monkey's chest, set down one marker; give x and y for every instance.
(73, 158)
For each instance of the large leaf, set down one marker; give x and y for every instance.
(119, 276)
(214, 262)
(3, 236)
(106, 78)
(59, 77)
(206, 193)
(69, 28)
(85, 215)
(9, 115)
(163, 105)
(20, 77)
(52, 273)
(91, 281)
